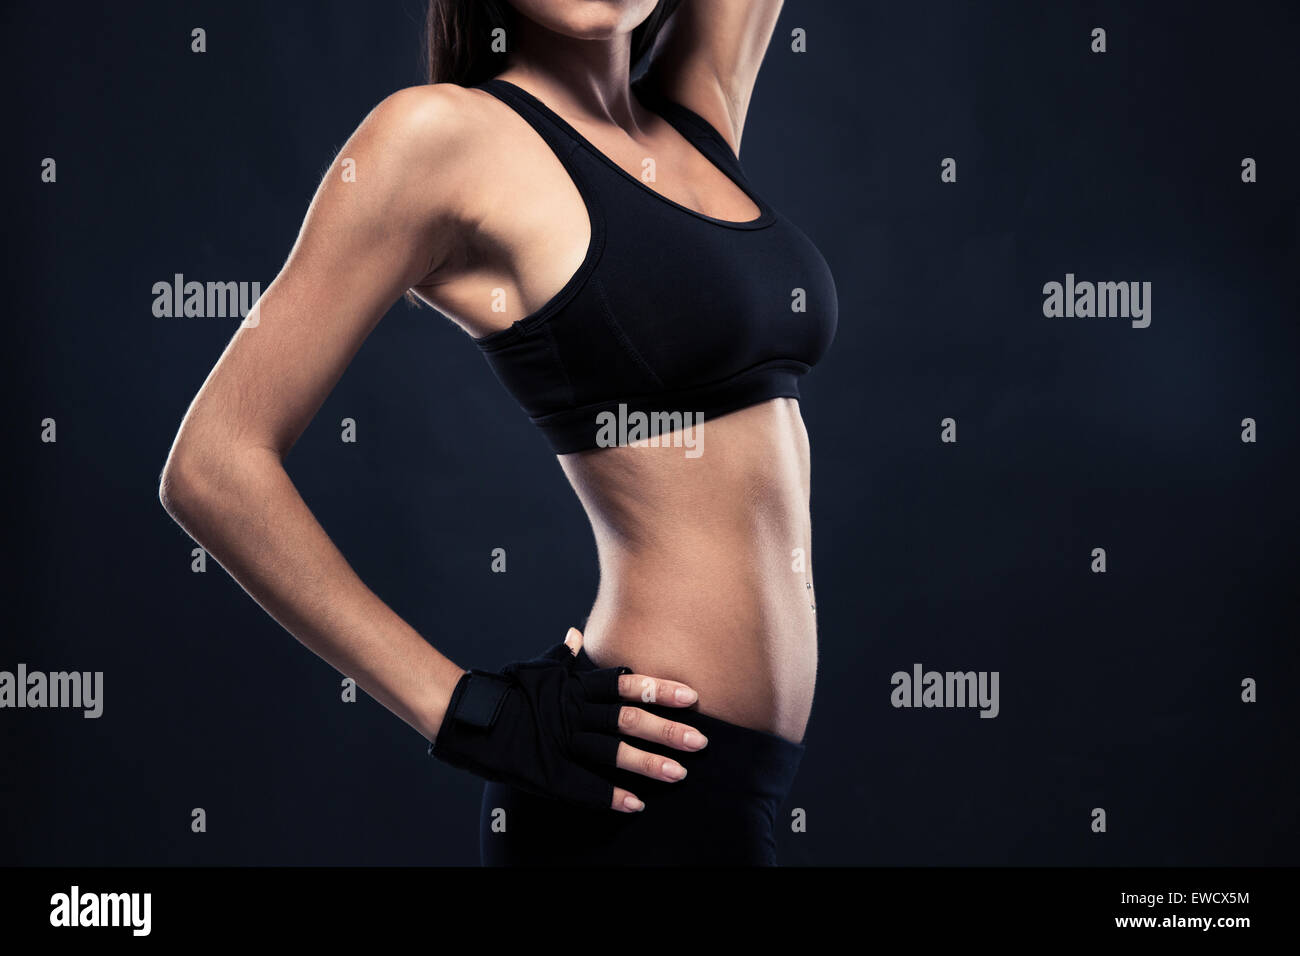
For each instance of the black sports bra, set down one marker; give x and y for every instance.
(671, 311)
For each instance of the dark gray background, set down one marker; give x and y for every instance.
(1118, 690)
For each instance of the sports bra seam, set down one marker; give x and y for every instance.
(621, 334)
(554, 348)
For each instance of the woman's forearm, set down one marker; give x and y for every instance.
(241, 506)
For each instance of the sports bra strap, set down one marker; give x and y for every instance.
(691, 125)
(562, 137)
(559, 135)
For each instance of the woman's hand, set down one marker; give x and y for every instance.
(635, 722)
(546, 727)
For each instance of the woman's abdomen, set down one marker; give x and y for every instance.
(705, 565)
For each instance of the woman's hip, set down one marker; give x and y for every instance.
(724, 812)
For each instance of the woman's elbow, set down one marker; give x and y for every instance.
(203, 479)
(180, 485)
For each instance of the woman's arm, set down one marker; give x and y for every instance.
(423, 163)
(708, 58)
(362, 244)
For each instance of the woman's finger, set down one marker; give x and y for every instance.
(651, 690)
(649, 765)
(574, 640)
(635, 722)
(626, 802)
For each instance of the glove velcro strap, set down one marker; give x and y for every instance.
(477, 699)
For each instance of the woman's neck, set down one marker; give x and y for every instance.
(584, 78)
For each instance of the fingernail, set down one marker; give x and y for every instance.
(685, 695)
(573, 632)
(674, 771)
(632, 803)
(694, 740)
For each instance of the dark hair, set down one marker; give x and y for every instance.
(458, 38)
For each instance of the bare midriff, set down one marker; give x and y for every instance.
(705, 564)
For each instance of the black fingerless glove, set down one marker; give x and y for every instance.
(539, 725)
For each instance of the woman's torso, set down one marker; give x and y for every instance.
(704, 571)
(584, 284)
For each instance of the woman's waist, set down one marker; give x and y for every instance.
(739, 761)
(751, 654)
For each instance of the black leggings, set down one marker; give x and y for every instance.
(723, 813)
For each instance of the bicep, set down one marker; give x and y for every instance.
(709, 57)
(368, 235)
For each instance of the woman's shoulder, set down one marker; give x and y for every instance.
(428, 147)
(435, 119)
